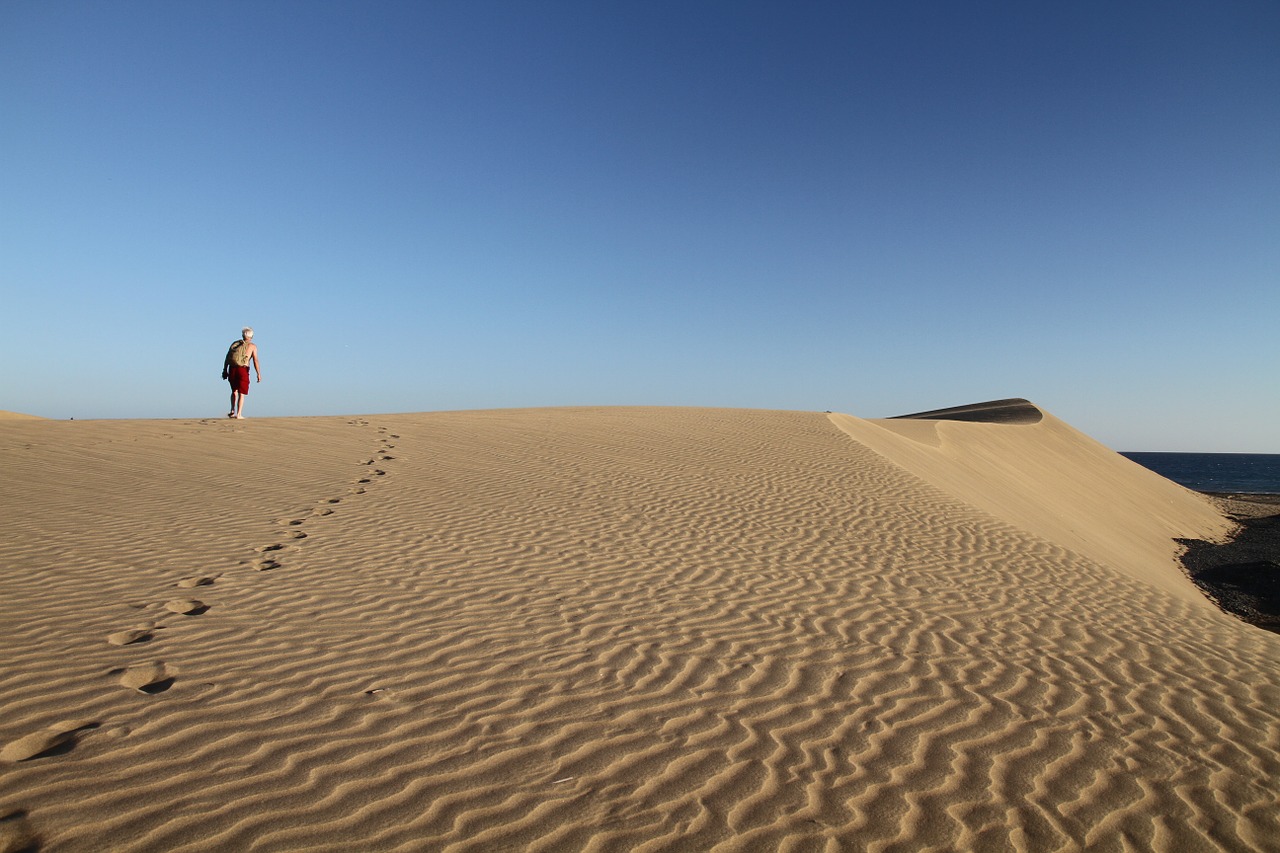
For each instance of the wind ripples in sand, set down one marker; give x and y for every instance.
(603, 630)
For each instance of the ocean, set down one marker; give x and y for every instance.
(1251, 473)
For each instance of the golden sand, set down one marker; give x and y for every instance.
(616, 629)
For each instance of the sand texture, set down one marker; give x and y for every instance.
(615, 630)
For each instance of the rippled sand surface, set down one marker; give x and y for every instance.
(616, 629)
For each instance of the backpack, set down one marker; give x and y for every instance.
(238, 354)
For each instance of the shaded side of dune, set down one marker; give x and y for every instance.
(1014, 410)
(1242, 575)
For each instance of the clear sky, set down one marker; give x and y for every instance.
(867, 207)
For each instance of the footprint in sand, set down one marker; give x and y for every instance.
(266, 564)
(334, 500)
(151, 678)
(58, 739)
(131, 636)
(186, 606)
(364, 480)
(359, 491)
(197, 580)
(299, 535)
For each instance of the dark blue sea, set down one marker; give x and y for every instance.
(1252, 473)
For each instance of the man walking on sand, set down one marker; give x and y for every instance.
(235, 369)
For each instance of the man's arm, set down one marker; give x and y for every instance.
(257, 362)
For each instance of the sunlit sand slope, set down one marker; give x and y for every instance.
(612, 629)
(1028, 468)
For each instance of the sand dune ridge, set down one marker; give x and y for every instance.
(590, 629)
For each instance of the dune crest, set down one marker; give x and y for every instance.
(1014, 410)
(1030, 469)
(614, 629)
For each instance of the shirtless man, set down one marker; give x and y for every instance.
(235, 369)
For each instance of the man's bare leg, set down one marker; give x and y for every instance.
(239, 406)
(232, 413)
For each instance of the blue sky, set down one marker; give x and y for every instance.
(873, 208)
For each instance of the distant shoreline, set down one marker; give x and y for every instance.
(1246, 504)
(1243, 575)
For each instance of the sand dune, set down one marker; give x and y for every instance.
(616, 629)
(1051, 480)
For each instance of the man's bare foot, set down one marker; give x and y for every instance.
(239, 417)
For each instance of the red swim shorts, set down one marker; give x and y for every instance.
(238, 377)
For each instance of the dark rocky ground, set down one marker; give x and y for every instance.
(1243, 575)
